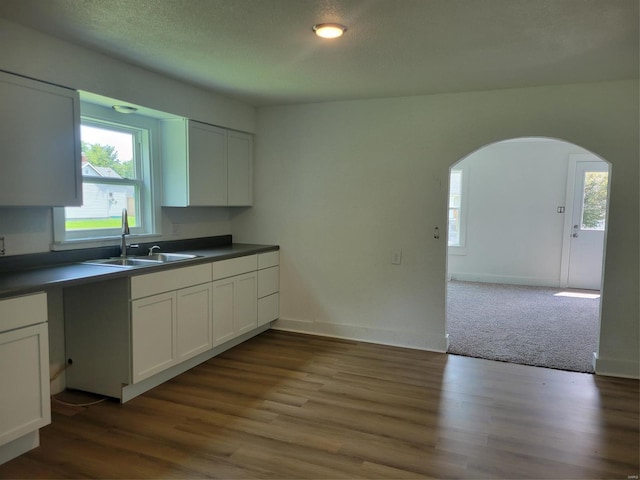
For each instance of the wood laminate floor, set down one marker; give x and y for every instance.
(285, 405)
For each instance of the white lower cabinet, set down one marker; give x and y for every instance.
(153, 335)
(173, 326)
(235, 309)
(24, 373)
(194, 327)
(126, 335)
(245, 305)
(223, 324)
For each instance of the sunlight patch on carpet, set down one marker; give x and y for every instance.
(577, 295)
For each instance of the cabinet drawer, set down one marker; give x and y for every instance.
(268, 281)
(269, 259)
(268, 308)
(234, 266)
(152, 283)
(22, 311)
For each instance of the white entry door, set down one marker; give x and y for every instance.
(588, 224)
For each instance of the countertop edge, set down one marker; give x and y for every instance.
(29, 281)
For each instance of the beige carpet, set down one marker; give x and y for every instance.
(547, 327)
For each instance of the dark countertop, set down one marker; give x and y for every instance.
(35, 279)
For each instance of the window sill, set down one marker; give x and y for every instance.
(100, 242)
(457, 250)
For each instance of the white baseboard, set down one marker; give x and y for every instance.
(612, 367)
(20, 445)
(505, 279)
(418, 341)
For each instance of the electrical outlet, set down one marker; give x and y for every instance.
(396, 257)
(176, 228)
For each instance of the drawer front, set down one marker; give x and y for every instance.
(268, 309)
(269, 259)
(234, 266)
(22, 311)
(153, 283)
(268, 281)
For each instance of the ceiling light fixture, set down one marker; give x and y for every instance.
(124, 109)
(329, 30)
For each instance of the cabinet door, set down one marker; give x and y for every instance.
(207, 165)
(153, 332)
(222, 310)
(39, 143)
(194, 321)
(245, 303)
(24, 377)
(239, 169)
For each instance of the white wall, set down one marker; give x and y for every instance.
(340, 185)
(28, 52)
(31, 53)
(513, 231)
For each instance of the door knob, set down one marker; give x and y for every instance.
(575, 235)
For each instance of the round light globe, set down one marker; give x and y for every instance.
(329, 30)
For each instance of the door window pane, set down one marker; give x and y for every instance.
(594, 204)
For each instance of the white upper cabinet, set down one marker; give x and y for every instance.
(39, 144)
(205, 165)
(239, 169)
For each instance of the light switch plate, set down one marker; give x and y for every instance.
(396, 257)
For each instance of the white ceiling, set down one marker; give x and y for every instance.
(264, 52)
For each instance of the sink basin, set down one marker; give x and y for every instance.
(141, 260)
(123, 262)
(165, 257)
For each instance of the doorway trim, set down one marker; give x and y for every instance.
(567, 230)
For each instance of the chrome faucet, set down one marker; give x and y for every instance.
(125, 231)
(153, 248)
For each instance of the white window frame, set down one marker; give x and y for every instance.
(145, 131)
(461, 248)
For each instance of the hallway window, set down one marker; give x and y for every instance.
(457, 214)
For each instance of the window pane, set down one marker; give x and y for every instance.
(107, 153)
(454, 227)
(102, 207)
(455, 198)
(594, 205)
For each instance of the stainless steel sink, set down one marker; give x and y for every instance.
(123, 262)
(166, 257)
(141, 260)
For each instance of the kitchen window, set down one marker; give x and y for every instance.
(116, 174)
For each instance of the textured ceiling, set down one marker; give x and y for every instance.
(264, 52)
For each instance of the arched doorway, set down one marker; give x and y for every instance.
(513, 251)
